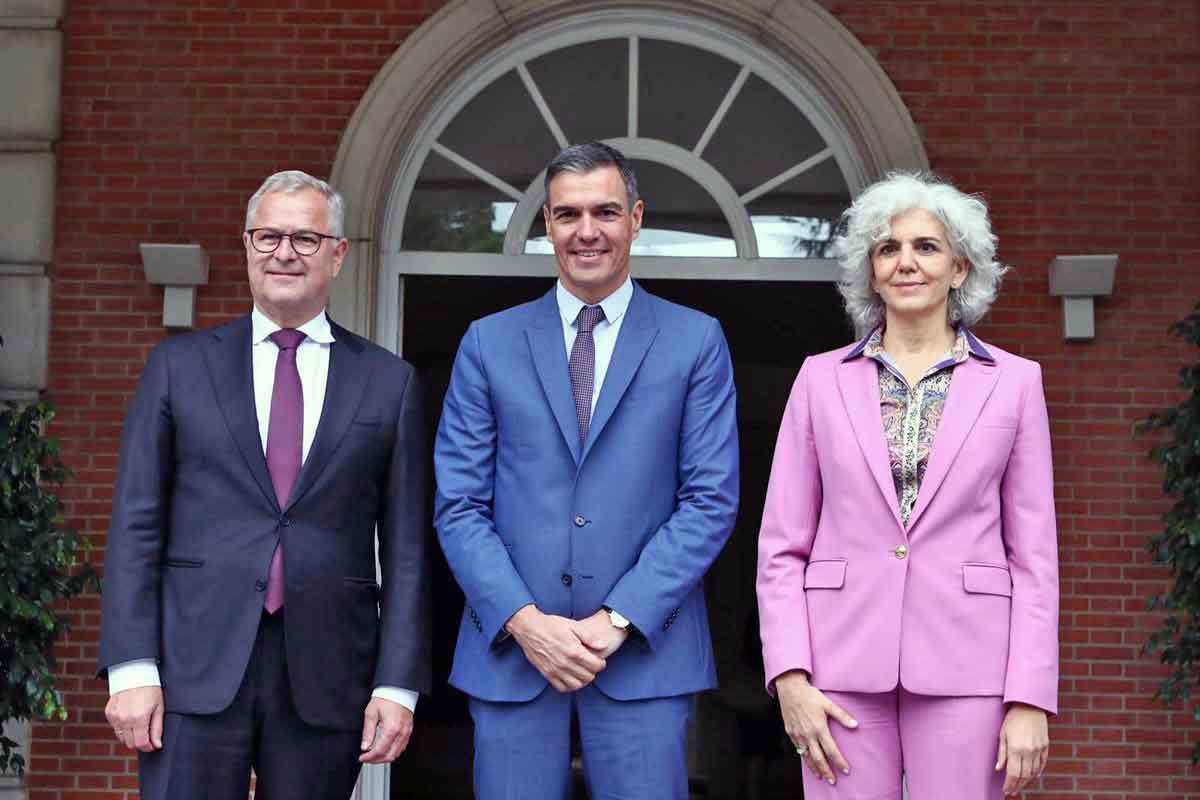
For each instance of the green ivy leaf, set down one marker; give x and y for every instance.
(1177, 548)
(40, 567)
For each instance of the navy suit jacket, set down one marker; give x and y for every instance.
(631, 519)
(195, 522)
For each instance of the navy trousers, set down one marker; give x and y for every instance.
(632, 750)
(209, 756)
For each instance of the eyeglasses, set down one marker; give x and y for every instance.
(266, 240)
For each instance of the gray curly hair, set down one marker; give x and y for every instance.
(868, 222)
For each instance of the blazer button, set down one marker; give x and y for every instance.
(566, 579)
(260, 585)
(285, 522)
(901, 551)
(580, 522)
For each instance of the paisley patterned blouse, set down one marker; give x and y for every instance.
(911, 413)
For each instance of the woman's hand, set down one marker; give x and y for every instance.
(1024, 745)
(806, 711)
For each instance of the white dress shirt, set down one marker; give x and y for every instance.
(605, 332)
(312, 362)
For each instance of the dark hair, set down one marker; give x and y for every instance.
(584, 158)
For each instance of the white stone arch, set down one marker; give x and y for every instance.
(458, 51)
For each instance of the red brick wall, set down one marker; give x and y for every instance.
(1079, 120)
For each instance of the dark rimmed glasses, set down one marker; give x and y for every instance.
(266, 240)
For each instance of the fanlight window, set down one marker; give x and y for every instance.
(729, 166)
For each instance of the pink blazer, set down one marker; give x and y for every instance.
(961, 601)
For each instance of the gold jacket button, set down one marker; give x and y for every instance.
(901, 551)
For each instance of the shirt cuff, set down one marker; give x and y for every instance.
(133, 675)
(405, 697)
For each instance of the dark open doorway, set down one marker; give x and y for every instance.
(738, 748)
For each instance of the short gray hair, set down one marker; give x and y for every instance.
(293, 180)
(581, 159)
(868, 222)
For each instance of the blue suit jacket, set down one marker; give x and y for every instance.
(630, 519)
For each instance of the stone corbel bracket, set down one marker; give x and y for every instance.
(1078, 280)
(179, 269)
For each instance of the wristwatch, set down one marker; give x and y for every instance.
(618, 621)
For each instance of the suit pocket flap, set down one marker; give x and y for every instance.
(825, 575)
(987, 579)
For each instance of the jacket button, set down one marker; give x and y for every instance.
(260, 585)
(580, 522)
(285, 522)
(901, 551)
(566, 579)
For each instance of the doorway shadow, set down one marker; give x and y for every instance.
(738, 748)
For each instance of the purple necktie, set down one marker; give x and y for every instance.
(285, 443)
(583, 366)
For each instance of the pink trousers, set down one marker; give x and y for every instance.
(944, 746)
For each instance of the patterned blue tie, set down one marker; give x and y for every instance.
(583, 366)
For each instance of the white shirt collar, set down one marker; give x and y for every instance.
(317, 329)
(615, 305)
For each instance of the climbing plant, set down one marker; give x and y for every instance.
(41, 564)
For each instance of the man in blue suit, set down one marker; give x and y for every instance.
(587, 469)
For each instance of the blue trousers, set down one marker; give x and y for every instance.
(632, 750)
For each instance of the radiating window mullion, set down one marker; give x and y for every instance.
(633, 87)
(722, 110)
(479, 172)
(786, 175)
(542, 106)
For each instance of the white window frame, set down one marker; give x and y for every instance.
(794, 45)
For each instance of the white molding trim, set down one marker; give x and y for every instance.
(496, 265)
(634, 60)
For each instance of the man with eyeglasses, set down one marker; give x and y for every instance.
(242, 625)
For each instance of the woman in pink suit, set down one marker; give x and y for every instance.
(908, 568)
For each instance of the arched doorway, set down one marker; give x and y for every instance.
(750, 125)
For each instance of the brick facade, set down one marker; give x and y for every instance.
(1079, 119)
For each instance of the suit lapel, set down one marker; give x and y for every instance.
(548, 349)
(858, 382)
(637, 333)
(970, 388)
(348, 378)
(232, 373)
